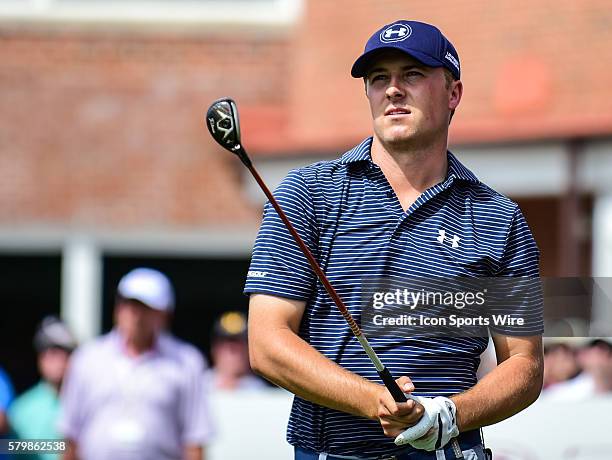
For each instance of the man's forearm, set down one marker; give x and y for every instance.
(287, 360)
(4, 425)
(505, 391)
(193, 452)
(71, 451)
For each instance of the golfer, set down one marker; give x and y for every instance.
(398, 205)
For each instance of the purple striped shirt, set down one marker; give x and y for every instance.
(118, 407)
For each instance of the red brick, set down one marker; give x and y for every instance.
(105, 126)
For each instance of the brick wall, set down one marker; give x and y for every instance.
(107, 128)
(531, 69)
(103, 127)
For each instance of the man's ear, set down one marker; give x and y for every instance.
(455, 94)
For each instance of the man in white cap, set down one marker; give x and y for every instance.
(137, 392)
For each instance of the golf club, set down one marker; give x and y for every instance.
(223, 124)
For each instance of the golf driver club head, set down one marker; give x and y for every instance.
(224, 126)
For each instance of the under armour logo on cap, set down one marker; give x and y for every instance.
(395, 33)
(454, 241)
(427, 45)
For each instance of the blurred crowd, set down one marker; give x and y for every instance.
(136, 392)
(140, 392)
(577, 369)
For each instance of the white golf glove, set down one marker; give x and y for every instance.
(435, 429)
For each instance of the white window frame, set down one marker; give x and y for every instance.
(263, 12)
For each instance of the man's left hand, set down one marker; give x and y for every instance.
(441, 415)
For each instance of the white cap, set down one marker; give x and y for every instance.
(53, 333)
(148, 286)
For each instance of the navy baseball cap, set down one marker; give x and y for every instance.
(422, 41)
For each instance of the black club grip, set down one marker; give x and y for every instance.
(394, 389)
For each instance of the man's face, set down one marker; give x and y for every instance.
(52, 364)
(597, 359)
(137, 322)
(231, 356)
(410, 103)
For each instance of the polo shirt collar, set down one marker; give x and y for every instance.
(358, 153)
(117, 341)
(456, 170)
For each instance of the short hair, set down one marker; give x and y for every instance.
(450, 78)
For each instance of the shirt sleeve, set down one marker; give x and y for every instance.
(278, 266)
(70, 417)
(195, 411)
(519, 292)
(6, 391)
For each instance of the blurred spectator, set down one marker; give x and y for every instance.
(137, 392)
(560, 364)
(6, 397)
(34, 414)
(595, 359)
(230, 355)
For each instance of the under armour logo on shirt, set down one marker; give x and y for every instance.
(442, 238)
(396, 33)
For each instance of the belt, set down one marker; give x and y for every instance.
(453, 450)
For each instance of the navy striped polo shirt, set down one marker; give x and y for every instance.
(349, 216)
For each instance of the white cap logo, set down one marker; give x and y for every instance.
(452, 59)
(395, 33)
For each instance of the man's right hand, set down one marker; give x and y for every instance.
(394, 416)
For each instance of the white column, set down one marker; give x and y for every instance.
(602, 265)
(602, 236)
(82, 288)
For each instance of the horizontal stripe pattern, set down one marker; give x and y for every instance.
(348, 215)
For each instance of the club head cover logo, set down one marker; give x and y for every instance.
(223, 123)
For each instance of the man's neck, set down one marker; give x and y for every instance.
(603, 382)
(227, 381)
(55, 386)
(411, 171)
(134, 348)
